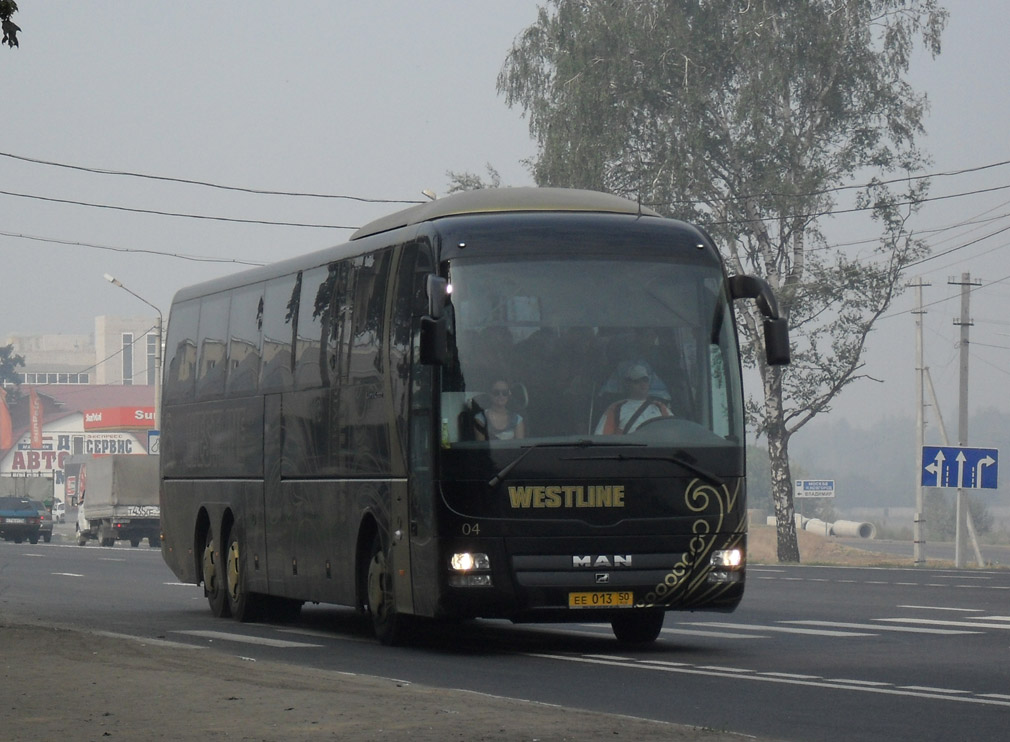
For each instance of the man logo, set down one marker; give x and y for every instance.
(595, 562)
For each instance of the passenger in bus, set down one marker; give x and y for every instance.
(499, 422)
(629, 414)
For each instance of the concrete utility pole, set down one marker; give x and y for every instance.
(961, 510)
(918, 532)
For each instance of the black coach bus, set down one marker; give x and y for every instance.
(519, 403)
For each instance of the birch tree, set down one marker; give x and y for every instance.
(753, 118)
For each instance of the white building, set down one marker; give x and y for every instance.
(120, 352)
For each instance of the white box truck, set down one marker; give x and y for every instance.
(119, 500)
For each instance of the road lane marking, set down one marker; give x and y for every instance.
(148, 640)
(876, 627)
(929, 689)
(936, 622)
(850, 681)
(712, 634)
(67, 574)
(941, 608)
(246, 639)
(781, 629)
(945, 694)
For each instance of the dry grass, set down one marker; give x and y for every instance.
(817, 549)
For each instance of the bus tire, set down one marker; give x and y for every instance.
(243, 605)
(638, 626)
(214, 578)
(380, 602)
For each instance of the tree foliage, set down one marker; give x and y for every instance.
(10, 29)
(467, 181)
(750, 117)
(9, 362)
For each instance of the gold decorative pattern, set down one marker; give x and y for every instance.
(682, 583)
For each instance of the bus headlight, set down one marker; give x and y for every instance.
(727, 565)
(470, 569)
(727, 559)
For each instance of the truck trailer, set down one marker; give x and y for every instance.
(119, 500)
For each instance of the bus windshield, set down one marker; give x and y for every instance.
(639, 350)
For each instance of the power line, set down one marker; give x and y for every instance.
(206, 184)
(144, 251)
(174, 213)
(835, 189)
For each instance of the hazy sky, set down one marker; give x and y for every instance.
(378, 100)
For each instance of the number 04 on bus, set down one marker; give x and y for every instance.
(520, 403)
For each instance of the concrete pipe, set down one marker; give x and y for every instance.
(816, 525)
(853, 529)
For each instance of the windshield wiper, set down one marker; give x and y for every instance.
(581, 443)
(680, 458)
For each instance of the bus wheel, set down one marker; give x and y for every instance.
(243, 605)
(213, 578)
(637, 626)
(379, 596)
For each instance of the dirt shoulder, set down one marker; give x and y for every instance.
(56, 681)
(817, 550)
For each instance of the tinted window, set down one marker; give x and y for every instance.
(180, 348)
(369, 307)
(244, 326)
(314, 318)
(213, 346)
(280, 314)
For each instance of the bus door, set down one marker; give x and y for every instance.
(414, 430)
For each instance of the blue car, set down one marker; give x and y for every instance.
(19, 520)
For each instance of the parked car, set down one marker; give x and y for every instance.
(59, 511)
(19, 520)
(45, 520)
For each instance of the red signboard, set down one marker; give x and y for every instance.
(119, 418)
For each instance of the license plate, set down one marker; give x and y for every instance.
(601, 600)
(17, 520)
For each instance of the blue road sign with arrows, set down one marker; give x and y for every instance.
(952, 466)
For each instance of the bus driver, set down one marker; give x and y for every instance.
(627, 415)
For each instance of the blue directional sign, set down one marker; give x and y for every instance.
(952, 466)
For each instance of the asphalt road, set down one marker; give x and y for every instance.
(814, 653)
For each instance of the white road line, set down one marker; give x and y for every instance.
(850, 681)
(876, 627)
(263, 641)
(146, 640)
(782, 629)
(941, 608)
(712, 634)
(928, 689)
(945, 694)
(967, 624)
(67, 574)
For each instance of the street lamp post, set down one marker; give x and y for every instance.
(157, 349)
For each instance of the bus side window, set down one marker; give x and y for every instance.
(369, 310)
(244, 325)
(181, 350)
(280, 312)
(213, 346)
(314, 318)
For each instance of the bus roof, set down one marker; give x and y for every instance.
(491, 200)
